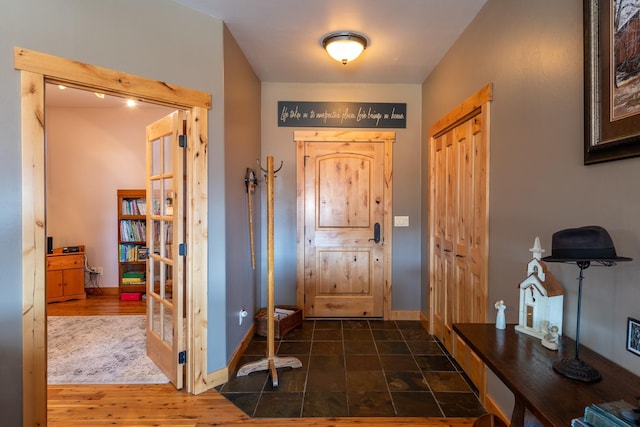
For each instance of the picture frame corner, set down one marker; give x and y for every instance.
(633, 336)
(611, 127)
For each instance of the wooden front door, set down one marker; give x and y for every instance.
(165, 233)
(345, 207)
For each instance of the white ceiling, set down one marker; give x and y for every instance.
(282, 38)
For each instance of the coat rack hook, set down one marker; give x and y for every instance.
(265, 171)
(278, 170)
(260, 166)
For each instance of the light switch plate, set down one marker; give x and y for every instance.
(401, 221)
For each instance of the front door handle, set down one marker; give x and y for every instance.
(376, 233)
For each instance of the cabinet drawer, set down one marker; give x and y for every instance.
(63, 262)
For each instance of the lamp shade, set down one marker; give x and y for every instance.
(344, 47)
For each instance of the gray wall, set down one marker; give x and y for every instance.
(150, 38)
(532, 53)
(278, 142)
(242, 150)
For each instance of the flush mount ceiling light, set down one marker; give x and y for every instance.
(344, 46)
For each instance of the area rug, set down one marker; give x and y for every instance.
(99, 350)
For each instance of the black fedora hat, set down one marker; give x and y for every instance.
(590, 243)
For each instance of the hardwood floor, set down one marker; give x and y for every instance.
(163, 405)
(108, 305)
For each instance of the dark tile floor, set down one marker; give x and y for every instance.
(356, 368)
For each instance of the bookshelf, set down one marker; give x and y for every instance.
(132, 241)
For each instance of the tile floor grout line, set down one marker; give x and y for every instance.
(306, 376)
(435, 399)
(393, 403)
(344, 361)
(455, 364)
(264, 384)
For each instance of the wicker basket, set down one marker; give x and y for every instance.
(283, 322)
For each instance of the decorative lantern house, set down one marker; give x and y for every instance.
(541, 298)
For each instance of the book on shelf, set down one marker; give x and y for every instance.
(142, 206)
(160, 230)
(134, 207)
(133, 230)
(135, 274)
(133, 278)
(611, 414)
(128, 252)
(126, 281)
(129, 207)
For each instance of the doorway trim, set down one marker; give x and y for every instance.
(388, 138)
(37, 69)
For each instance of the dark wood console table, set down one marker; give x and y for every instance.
(525, 367)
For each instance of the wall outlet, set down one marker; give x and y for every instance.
(97, 270)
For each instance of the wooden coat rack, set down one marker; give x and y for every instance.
(271, 362)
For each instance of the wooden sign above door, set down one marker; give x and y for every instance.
(342, 114)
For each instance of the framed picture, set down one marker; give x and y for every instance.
(611, 80)
(633, 336)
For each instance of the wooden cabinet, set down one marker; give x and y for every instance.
(132, 237)
(65, 276)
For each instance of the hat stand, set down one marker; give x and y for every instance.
(575, 368)
(271, 362)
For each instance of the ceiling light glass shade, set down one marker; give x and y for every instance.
(344, 47)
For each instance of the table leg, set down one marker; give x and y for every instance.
(517, 418)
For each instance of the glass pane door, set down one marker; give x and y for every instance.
(165, 232)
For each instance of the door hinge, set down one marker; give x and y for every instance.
(182, 140)
(305, 160)
(182, 357)
(182, 249)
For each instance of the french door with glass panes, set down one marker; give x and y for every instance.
(165, 233)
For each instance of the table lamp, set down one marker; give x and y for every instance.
(581, 246)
